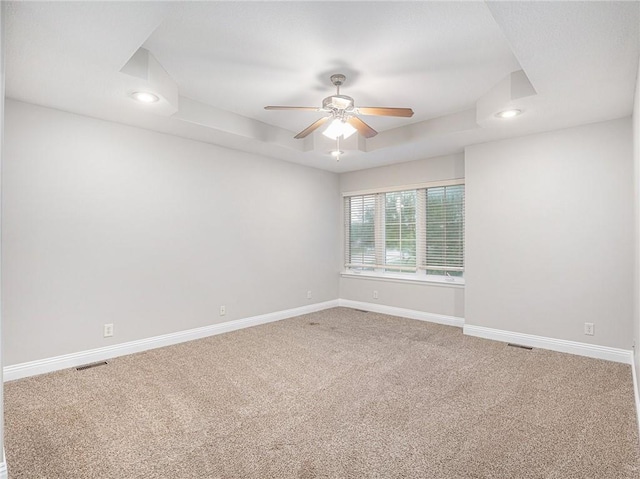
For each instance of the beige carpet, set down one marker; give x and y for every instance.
(340, 394)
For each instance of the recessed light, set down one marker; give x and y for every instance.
(508, 113)
(145, 97)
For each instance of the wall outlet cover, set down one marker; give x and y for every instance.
(108, 330)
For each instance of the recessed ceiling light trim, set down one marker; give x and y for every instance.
(145, 97)
(511, 113)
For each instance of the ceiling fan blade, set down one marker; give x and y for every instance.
(307, 108)
(384, 111)
(364, 129)
(311, 128)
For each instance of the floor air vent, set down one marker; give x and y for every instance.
(519, 346)
(92, 365)
(361, 310)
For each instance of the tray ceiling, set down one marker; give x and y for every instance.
(227, 60)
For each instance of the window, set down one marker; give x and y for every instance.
(361, 243)
(413, 232)
(400, 231)
(444, 212)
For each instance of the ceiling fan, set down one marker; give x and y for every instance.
(343, 113)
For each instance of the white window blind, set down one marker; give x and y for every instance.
(444, 230)
(360, 231)
(414, 231)
(400, 231)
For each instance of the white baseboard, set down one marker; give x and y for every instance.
(403, 313)
(636, 394)
(4, 474)
(560, 345)
(32, 368)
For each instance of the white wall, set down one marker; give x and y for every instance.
(108, 223)
(549, 234)
(636, 204)
(430, 298)
(2, 46)
(432, 169)
(105, 223)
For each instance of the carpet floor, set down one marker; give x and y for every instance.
(334, 394)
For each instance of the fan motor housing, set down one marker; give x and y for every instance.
(338, 102)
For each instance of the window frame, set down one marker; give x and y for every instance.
(378, 273)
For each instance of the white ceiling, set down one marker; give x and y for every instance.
(230, 59)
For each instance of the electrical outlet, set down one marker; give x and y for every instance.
(108, 330)
(375, 295)
(223, 310)
(309, 294)
(589, 329)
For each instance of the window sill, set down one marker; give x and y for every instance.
(401, 278)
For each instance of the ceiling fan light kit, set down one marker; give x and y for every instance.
(344, 113)
(339, 127)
